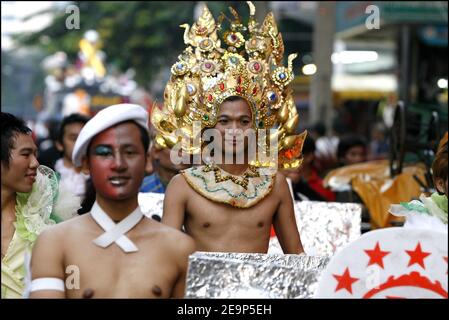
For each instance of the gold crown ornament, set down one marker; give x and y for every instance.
(250, 66)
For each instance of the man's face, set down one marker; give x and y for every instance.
(233, 120)
(21, 174)
(71, 132)
(116, 162)
(356, 154)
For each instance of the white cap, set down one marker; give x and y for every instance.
(103, 120)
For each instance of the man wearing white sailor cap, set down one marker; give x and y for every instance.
(116, 251)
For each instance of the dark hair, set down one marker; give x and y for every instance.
(73, 118)
(237, 98)
(339, 126)
(234, 98)
(11, 127)
(439, 165)
(320, 129)
(89, 197)
(144, 135)
(309, 145)
(347, 143)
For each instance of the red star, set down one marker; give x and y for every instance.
(345, 281)
(376, 255)
(417, 256)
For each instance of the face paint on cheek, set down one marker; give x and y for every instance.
(102, 161)
(103, 185)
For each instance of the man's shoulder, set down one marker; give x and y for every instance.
(179, 181)
(174, 239)
(281, 185)
(280, 178)
(64, 228)
(54, 236)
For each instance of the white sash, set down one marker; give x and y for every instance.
(115, 232)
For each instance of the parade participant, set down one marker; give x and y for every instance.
(231, 206)
(351, 150)
(163, 169)
(429, 212)
(30, 202)
(116, 251)
(68, 133)
(306, 183)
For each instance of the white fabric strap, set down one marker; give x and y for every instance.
(116, 232)
(47, 284)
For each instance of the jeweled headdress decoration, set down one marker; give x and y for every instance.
(250, 67)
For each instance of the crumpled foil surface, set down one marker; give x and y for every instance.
(324, 227)
(252, 275)
(300, 261)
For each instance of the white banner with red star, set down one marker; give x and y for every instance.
(392, 263)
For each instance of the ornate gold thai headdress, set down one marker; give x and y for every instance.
(250, 67)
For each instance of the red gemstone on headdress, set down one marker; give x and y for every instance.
(233, 37)
(289, 154)
(256, 66)
(254, 90)
(209, 97)
(238, 89)
(221, 86)
(208, 65)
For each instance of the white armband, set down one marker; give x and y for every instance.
(47, 284)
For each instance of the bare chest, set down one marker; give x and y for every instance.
(111, 273)
(207, 214)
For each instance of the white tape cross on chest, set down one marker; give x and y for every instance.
(115, 232)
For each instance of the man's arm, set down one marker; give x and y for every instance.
(175, 202)
(47, 262)
(284, 220)
(185, 247)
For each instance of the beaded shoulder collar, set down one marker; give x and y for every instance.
(217, 185)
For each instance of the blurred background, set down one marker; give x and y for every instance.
(349, 69)
(373, 70)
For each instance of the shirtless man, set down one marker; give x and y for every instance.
(232, 82)
(113, 251)
(222, 227)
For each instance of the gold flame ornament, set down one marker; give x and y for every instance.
(244, 61)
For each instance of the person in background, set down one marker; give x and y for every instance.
(306, 182)
(68, 133)
(48, 152)
(351, 150)
(163, 169)
(429, 212)
(378, 147)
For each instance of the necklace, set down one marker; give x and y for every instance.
(251, 172)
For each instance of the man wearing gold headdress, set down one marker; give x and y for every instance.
(231, 206)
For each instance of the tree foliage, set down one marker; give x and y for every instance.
(143, 35)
